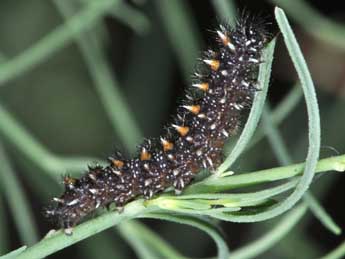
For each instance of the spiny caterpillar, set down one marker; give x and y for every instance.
(224, 87)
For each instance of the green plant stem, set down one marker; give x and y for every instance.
(133, 18)
(313, 125)
(328, 31)
(226, 10)
(145, 235)
(337, 253)
(272, 237)
(4, 244)
(134, 209)
(16, 135)
(336, 163)
(130, 234)
(59, 240)
(55, 40)
(106, 84)
(279, 114)
(17, 201)
(200, 223)
(182, 32)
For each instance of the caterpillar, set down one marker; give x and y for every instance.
(224, 86)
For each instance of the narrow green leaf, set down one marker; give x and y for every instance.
(55, 40)
(211, 230)
(226, 10)
(271, 238)
(337, 253)
(21, 212)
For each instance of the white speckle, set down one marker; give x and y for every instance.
(224, 72)
(199, 152)
(171, 157)
(231, 46)
(181, 183)
(213, 126)
(223, 100)
(189, 139)
(209, 161)
(93, 191)
(58, 200)
(238, 106)
(98, 203)
(226, 134)
(241, 58)
(221, 36)
(201, 115)
(208, 62)
(148, 182)
(248, 42)
(253, 60)
(73, 202)
(253, 49)
(245, 83)
(176, 172)
(68, 231)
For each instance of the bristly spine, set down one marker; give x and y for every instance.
(225, 86)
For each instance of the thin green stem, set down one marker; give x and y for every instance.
(55, 40)
(337, 253)
(106, 84)
(4, 241)
(147, 236)
(16, 135)
(272, 237)
(327, 30)
(282, 154)
(282, 111)
(226, 10)
(17, 201)
(134, 209)
(336, 163)
(59, 240)
(182, 32)
(130, 233)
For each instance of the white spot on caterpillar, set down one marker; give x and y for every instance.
(253, 60)
(248, 42)
(225, 133)
(148, 182)
(202, 116)
(245, 83)
(58, 200)
(93, 191)
(231, 46)
(224, 72)
(68, 231)
(176, 172)
(73, 202)
(213, 126)
(209, 160)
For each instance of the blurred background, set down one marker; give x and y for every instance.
(79, 79)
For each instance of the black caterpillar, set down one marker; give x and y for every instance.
(211, 112)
